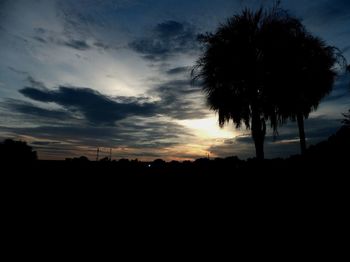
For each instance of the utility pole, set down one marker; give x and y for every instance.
(110, 154)
(97, 154)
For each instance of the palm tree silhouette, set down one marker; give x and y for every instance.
(262, 66)
(230, 69)
(301, 69)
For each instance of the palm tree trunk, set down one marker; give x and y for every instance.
(300, 119)
(259, 149)
(258, 134)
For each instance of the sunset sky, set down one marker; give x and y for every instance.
(80, 74)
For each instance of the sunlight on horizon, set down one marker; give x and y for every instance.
(207, 128)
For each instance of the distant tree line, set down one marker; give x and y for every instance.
(332, 152)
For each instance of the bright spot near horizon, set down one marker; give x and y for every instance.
(207, 128)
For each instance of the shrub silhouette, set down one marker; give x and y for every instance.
(346, 120)
(16, 151)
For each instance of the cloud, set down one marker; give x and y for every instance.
(35, 83)
(181, 100)
(20, 72)
(102, 45)
(46, 36)
(178, 70)
(133, 137)
(32, 110)
(77, 44)
(44, 143)
(285, 144)
(178, 99)
(94, 106)
(166, 39)
(340, 90)
(76, 41)
(40, 39)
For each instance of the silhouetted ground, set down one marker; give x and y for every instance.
(332, 154)
(317, 179)
(301, 190)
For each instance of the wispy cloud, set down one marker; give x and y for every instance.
(166, 39)
(133, 137)
(181, 100)
(179, 70)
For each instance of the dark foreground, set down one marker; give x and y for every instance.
(324, 167)
(308, 192)
(302, 199)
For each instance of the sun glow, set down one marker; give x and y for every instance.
(207, 128)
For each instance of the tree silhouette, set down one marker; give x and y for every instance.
(231, 68)
(300, 69)
(348, 69)
(346, 120)
(264, 65)
(16, 151)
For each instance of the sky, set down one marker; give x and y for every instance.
(77, 75)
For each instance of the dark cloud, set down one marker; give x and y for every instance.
(45, 143)
(96, 108)
(340, 90)
(244, 139)
(42, 35)
(17, 71)
(169, 29)
(178, 99)
(35, 83)
(234, 148)
(179, 70)
(45, 36)
(129, 133)
(77, 44)
(40, 39)
(101, 45)
(166, 39)
(180, 87)
(139, 138)
(40, 113)
(316, 128)
(40, 30)
(181, 100)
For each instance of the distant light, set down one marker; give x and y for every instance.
(149, 165)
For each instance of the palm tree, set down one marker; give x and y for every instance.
(301, 68)
(262, 66)
(231, 69)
